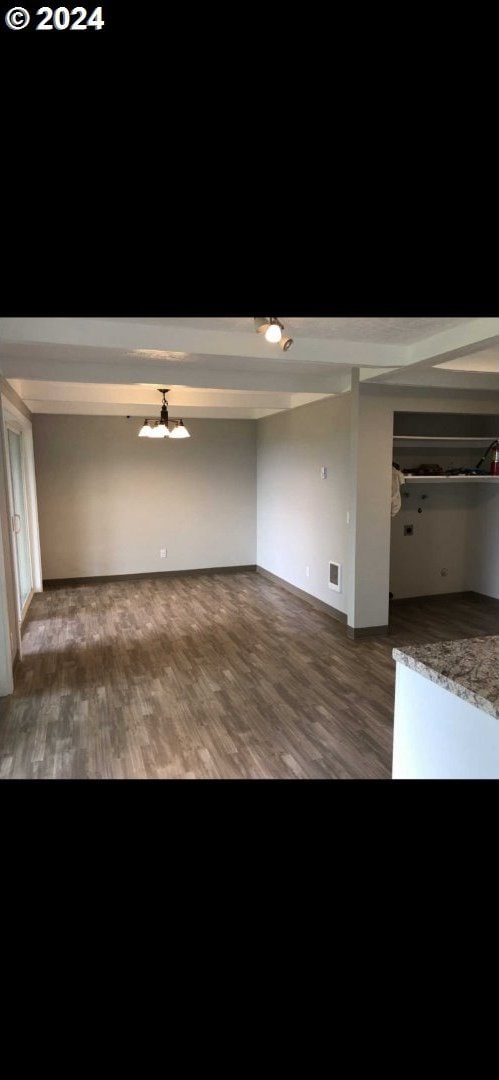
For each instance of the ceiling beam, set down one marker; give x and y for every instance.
(137, 338)
(148, 396)
(176, 374)
(438, 377)
(175, 412)
(467, 337)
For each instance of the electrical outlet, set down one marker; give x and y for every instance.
(348, 517)
(162, 553)
(307, 571)
(323, 472)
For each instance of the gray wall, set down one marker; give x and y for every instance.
(301, 519)
(108, 501)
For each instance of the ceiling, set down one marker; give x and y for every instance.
(384, 331)
(484, 360)
(220, 367)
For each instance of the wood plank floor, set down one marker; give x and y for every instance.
(225, 676)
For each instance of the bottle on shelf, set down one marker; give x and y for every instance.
(494, 467)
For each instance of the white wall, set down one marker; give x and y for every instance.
(439, 541)
(371, 495)
(376, 406)
(301, 519)
(483, 541)
(108, 501)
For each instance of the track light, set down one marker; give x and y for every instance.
(261, 325)
(273, 330)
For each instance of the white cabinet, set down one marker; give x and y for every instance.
(438, 736)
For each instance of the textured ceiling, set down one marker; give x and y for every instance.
(226, 354)
(382, 331)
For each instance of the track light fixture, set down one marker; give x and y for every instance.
(159, 429)
(273, 330)
(261, 325)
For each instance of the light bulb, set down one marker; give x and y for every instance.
(180, 432)
(159, 432)
(145, 431)
(273, 333)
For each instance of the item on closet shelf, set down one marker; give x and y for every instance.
(494, 466)
(398, 479)
(425, 470)
(464, 471)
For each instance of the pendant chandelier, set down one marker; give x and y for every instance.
(158, 429)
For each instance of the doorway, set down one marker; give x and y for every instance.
(23, 573)
(26, 571)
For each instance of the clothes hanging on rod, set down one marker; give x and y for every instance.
(398, 479)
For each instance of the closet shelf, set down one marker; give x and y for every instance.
(446, 440)
(452, 479)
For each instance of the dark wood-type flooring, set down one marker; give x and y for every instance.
(225, 676)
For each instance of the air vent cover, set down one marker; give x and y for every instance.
(335, 576)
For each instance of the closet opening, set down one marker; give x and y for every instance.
(445, 499)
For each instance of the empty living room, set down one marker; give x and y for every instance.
(249, 548)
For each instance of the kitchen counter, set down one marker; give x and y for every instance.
(469, 668)
(446, 720)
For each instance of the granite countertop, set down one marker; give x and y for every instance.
(468, 668)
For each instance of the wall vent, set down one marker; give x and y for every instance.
(335, 576)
